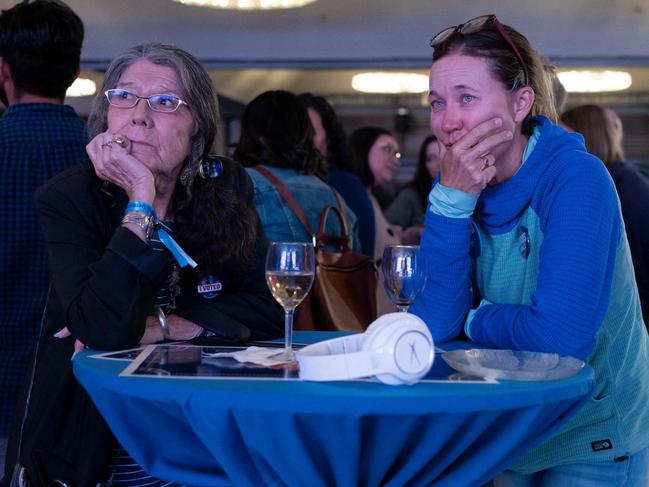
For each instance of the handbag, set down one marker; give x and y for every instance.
(343, 296)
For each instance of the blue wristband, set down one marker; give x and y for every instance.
(145, 208)
(167, 240)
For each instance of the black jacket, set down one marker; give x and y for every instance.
(104, 279)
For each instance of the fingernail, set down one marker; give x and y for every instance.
(58, 334)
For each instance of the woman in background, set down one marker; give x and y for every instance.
(409, 207)
(330, 139)
(276, 134)
(603, 134)
(375, 156)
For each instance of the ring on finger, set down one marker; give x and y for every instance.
(107, 144)
(120, 141)
(485, 163)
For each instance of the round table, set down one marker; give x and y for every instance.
(347, 433)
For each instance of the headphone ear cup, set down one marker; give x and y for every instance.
(377, 336)
(377, 328)
(381, 339)
(397, 348)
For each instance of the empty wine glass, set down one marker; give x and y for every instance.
(290, 267)
(404, 274)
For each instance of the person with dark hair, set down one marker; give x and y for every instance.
(40, 48)
(530, 251)
(375, 156)
(276, 134)
(409, 207)
(156, 240)
(603, 134)
(330, 139)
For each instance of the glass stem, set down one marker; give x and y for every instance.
(288, 331)
(402, 308)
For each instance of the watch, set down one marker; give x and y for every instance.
(141, 219)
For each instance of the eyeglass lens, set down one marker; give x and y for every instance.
(158, 103)
(391, 150)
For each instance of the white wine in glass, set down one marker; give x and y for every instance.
(404, 274)
(290, 267)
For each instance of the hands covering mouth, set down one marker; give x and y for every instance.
(467, 164)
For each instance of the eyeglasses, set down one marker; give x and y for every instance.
(158, 103)
(476, 25)
(390, 150)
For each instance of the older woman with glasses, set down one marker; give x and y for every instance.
(155, 241)
(530, 252)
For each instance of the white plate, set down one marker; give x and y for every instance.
(511, 364)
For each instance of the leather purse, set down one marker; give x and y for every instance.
(343, 296)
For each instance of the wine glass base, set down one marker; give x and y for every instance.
(284, 356)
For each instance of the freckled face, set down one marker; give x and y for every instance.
(383, 159)
(161, 141)
(463, 94)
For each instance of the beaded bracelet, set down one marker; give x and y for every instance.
(142, 220)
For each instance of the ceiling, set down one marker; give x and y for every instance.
(318, 47)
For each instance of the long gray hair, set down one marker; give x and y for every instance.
(196, 90)
(209, 214)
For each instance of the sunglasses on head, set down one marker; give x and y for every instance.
(476, 25)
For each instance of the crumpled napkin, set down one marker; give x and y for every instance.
(265, 356)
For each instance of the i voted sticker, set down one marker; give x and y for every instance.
(209, 287)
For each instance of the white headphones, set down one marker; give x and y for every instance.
(397, 348)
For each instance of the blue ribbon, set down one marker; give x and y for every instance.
(145, 208)
(179, 254)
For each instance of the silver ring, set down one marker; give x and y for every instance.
(485, 164)
(120, 141)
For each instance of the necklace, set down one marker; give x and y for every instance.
(173, 286)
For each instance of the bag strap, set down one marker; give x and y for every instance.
(323, 238)
(343, 241)
(342, 213)
(288, 197)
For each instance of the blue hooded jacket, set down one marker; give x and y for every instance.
(546, 257)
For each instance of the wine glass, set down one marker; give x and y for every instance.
(290, 267)
(404, 274)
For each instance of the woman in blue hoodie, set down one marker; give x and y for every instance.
(530, 251)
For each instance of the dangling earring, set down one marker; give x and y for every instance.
(186, 176)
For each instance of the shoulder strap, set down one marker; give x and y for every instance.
(343, 213)
(286, 194)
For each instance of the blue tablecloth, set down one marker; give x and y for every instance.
(296, 433)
